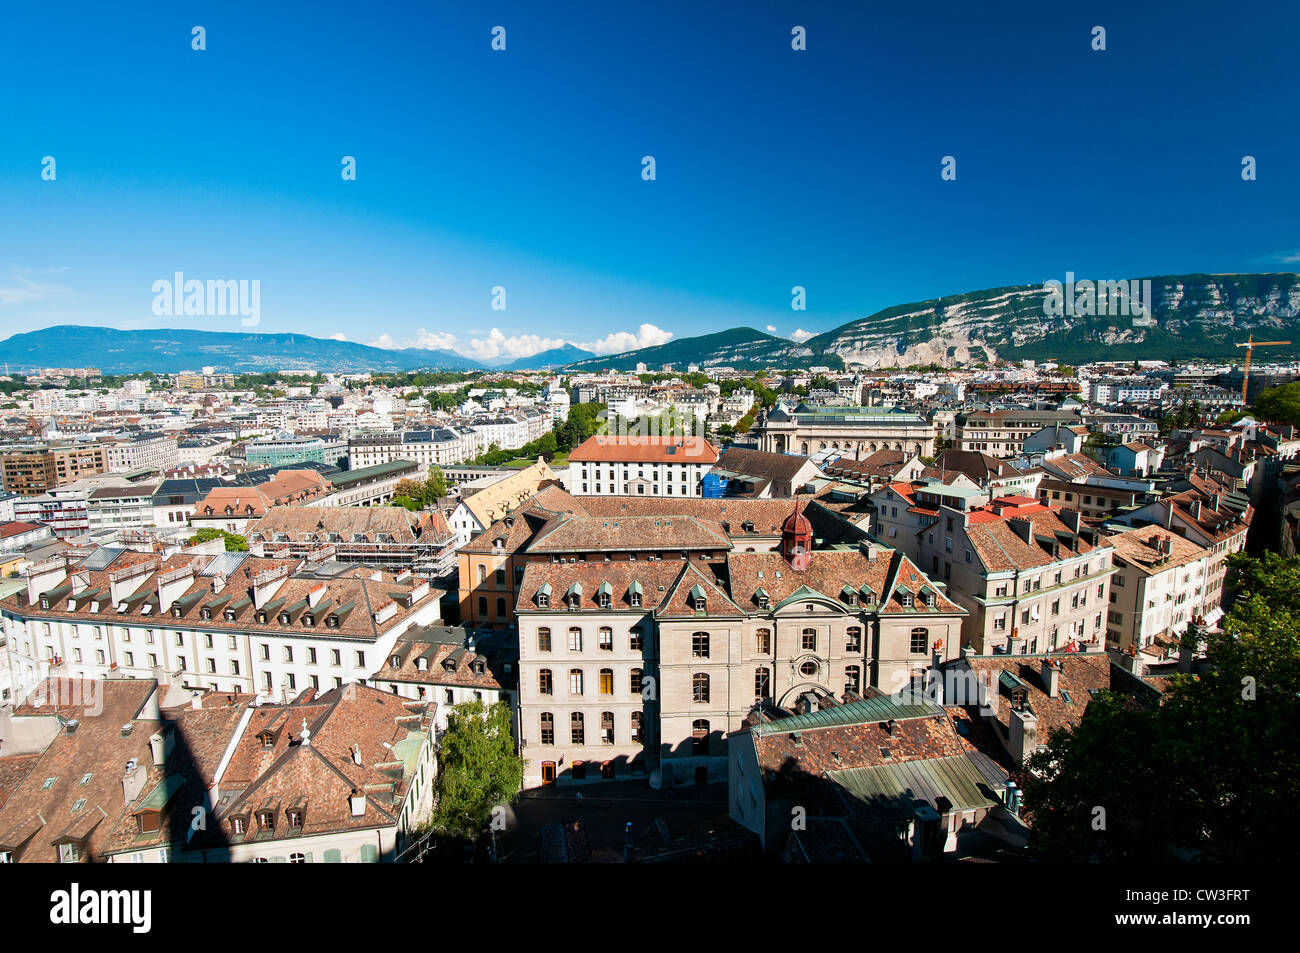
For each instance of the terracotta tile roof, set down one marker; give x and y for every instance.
(352, 597)
(1081, 673)
(359, 740)
(766, 516)
(647, 449)
(633, 533)
(1139, 548)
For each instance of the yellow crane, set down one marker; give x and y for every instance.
(1250, 344)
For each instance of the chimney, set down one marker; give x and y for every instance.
(43, 577)
(315, 594)
(357, 803)
(1196, 509)
(133, 781)
(1023, 740)
(1051, 678)
(172, 585)
(160, 747)
(218, 583)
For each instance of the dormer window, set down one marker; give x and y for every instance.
(266, 738)
(295, 818)
(238, 825)
(395, 661)
(308, 620)
(266, 820)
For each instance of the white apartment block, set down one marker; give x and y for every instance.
(1158, 588)
(640, 466)
(229, 623)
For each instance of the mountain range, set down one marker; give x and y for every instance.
(1191, 316)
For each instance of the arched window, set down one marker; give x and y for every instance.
(700, 687)
(501, 608)
(762, 682)
(638, 724)
(575, 640)
(607, 727)
(605, 639)
(482, 606)
(808, 640)
(544, 682)
(636, 681)
(607, 681)
(543, 640)
(920, 639)
(548, 728)
(577, 734)
(699, 736)
(763, 642)
(575, 681)
(482, 573)
(700, 645)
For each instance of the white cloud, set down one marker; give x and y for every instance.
(647, 336)
(498, 345)
(338, 336)
(771, 329)
(800, 335)
(434, 341)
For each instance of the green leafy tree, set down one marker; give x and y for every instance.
(1211, 771)
(1280, 404)
(234, 542)
(480, 769)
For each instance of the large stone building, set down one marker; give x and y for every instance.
(860, 431)
(645, 641)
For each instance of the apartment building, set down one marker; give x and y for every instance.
(37, 470)
(640, 466)
(1033, 578)
(1218, 522)
(234, 622)
(389, 537)
(142, 451)
(343, 776)
(1002, 433)
(449, 666)
(644, 642)
(111, 508)
(1157, 590)
(902, 510)
(438, 446)
(65, 510)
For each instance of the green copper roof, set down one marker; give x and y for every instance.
(866, 711)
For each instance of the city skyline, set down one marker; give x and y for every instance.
(227, 166)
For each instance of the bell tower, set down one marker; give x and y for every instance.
(796, 539)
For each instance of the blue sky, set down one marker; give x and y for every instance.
(522, 168)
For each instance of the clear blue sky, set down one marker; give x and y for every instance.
(523, 169)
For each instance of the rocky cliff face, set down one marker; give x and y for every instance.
(1191, 316)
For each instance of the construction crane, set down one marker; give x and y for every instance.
(1250, 344)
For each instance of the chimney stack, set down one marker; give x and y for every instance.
(1051, 678)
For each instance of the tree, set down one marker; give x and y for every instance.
(480, 769)
(1210, 771)
(1281, 404)
(234, 542)
(436, 486)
